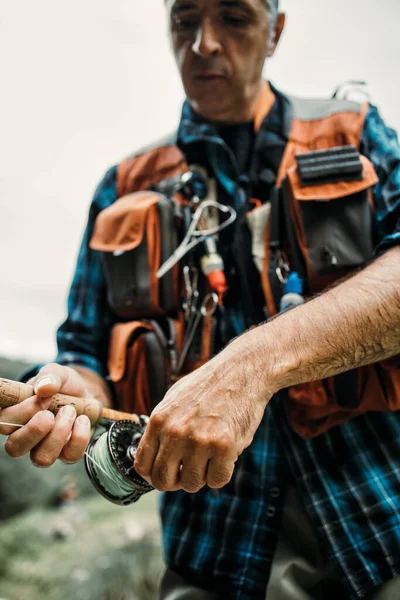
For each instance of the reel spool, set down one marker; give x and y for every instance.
(109, 462)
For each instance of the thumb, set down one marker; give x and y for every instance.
(54, 378)
(47, 384)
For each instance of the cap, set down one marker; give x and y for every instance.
(294, 284)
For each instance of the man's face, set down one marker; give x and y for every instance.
(220, 47)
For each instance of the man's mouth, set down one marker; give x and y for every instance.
(209, 76)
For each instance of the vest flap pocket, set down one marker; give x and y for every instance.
(135, 235)
(332, 191)
(121, 226)
(120, 338)
(333, 222)
(141, 362)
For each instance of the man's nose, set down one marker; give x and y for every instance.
(207, 42)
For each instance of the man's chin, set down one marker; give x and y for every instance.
(212, 109)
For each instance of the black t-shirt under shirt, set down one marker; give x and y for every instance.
(240, 139)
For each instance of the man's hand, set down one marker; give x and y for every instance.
(204, 423)
(45, 436)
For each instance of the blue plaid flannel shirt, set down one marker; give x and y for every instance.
(348, 478)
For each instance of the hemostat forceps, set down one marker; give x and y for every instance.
(195, 236)
(206, 309)
(190, 278)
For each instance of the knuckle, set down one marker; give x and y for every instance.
(201, 439)
(220, 477)
(161, 487)
(223, 442)
(174, 432)
(70, 456)
(80, 439)
(191, 481)
(160, 478)
(38, 428)
(139, 466)
(5, 430)
(156, 420)
(42, 459)
(12, 449)
(48, 369)
(140, 469)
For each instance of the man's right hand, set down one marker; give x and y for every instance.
(45, 436)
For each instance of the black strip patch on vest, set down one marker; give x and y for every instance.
(342, 163)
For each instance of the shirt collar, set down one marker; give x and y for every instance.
(270, 116)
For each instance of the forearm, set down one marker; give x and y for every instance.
(353, 324)
(96, 385)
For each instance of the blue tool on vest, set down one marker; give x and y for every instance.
(293, 292)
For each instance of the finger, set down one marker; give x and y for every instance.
(146, 454)
(193, 474)
(22, 413)
(49, 449)
(219, 472)
(23, 440)
(166, 471)
(53, 377)
(75, 448)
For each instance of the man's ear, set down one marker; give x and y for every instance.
(276, 34)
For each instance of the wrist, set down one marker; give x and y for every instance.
(245, 358)
(268, 356)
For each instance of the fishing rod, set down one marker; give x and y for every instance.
(110, 455)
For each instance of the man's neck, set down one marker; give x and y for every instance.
(256, 112)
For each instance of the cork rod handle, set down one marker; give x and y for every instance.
(14, 392)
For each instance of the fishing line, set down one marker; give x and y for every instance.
(109, 461)
(114, 482)
(95, 463)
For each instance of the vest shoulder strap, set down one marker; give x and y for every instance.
(320, 124)
(156, 161)
(313, 109)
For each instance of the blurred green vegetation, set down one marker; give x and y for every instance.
(11, 369)
(89, 550)
(84, 548)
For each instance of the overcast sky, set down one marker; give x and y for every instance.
(85, 82)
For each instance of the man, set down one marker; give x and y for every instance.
(240, 475)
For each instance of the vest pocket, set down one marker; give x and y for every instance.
(136, 235)
(315, 407)
(142, 361)
(333, 222)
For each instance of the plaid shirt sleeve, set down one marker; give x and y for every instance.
(380, 143)
(84, 336)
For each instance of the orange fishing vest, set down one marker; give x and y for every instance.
(314, 407)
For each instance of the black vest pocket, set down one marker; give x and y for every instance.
(333, 222)
(339, 234)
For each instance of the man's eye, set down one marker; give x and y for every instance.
(235, 21)
(184, 23)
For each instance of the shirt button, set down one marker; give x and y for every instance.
(271, 511)
(275, 492)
